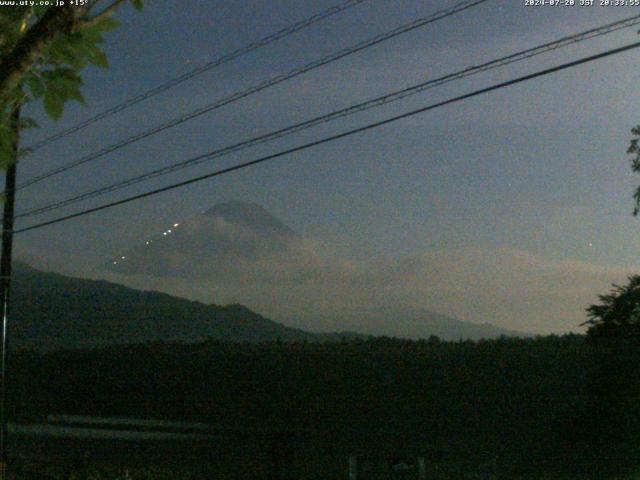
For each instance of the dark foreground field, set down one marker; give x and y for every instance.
(537, 408)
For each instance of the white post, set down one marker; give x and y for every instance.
(422, 469)
(353, 467)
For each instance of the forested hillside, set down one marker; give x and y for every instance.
(511, 404)
(55, 311)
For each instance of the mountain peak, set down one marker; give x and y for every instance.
(248, 214)
(209, 244)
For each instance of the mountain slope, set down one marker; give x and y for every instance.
(415, 323)
(55, 311)
(52, 311)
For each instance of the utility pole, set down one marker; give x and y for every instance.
(5, 285)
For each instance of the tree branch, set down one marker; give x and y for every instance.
(31, 46)
(106, 13)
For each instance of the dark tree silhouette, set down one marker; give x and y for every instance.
(634, 149)
(618, 314)
(610, 423)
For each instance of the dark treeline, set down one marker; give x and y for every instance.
(550, 404)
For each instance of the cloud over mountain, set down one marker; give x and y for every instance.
(239, 252)
(209, 244)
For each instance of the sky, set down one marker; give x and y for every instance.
(515, 206)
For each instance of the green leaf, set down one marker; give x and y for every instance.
(137, 4)
(35, 85)
(7, 136)
(63, 74)
(77, 96)
(62, 80)
(62, 84)
(105, 25)
(68, 50)
(5, 160)
(100, 59)
(53, 105)
(92, 35)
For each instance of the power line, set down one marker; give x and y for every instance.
(296, 27)
(335, 137)
(259, 87)
(360, 107)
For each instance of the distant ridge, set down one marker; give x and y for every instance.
(248, 214)
(415, 323)
(52, 311)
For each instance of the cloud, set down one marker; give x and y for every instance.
(511, 288)
(309, 284)
(308, 280)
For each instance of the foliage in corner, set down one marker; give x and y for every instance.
(618, 314)
(43, 51)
